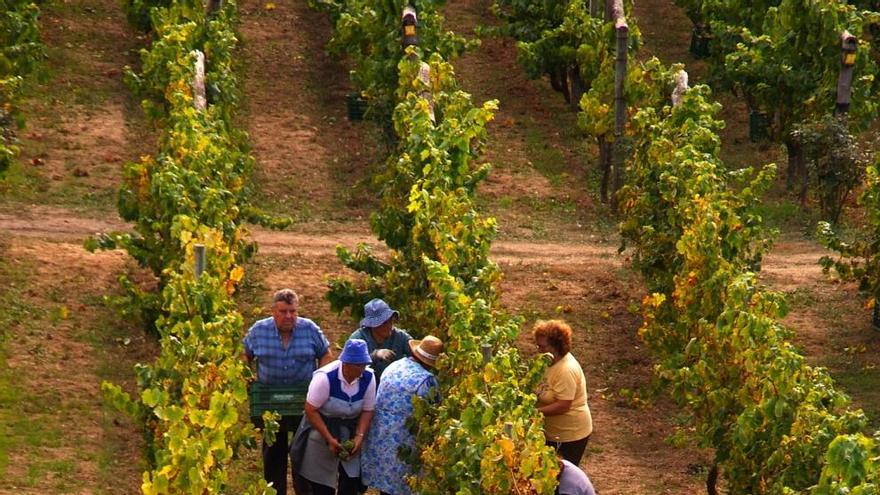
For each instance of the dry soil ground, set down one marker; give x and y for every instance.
(557, 246)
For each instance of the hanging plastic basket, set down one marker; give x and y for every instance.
(700, 43)
(875, 317)
(759, 127)
(356, 106)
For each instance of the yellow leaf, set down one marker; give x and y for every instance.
(236, 274)
(269, 6)
(63, 312)
(506, 450)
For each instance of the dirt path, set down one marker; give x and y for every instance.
(82, 123)
(540, 186)
(59, 340)
(312, 162)
(60, 225)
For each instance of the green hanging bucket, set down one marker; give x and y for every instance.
(356, 106)
(875, 317)
(759, 127)
(700, 43)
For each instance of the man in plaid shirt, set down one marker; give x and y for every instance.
(287, 349)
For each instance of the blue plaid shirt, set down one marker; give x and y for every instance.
(277, 365)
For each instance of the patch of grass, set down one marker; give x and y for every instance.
(18, 430)
(21, 183)
(864, 386)
(81, 75)
(545, 158)
(41, 469)
(113, 338)
(787, 215)
(802, 297)
(32, 418)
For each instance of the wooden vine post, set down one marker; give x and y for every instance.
(621, 30)
(486, 351)
(213, 6)
(425, 78)
(199, 254)
(848, 47)
(605, 152)
(681, 85)
(200, 100)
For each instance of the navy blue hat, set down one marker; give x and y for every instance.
(377, 312)
(355, 352)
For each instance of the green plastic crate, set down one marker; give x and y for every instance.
(286, 400)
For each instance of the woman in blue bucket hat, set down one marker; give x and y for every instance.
(338, 410)
(385, 342)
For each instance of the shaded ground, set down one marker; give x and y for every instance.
(81, 123)
(544, 183)
(58, 338)
(60, 342)
(312, 162)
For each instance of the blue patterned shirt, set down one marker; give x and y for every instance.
(279, 366)
(381, 468)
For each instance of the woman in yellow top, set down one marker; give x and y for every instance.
(562, 394)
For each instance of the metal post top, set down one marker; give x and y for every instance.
(409, 11)
(848, 42)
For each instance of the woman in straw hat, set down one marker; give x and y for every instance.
(338, 410)
(402, 379)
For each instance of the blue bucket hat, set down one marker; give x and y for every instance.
(355, 352)
(377, 312)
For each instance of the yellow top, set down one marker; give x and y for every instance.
(564, 380)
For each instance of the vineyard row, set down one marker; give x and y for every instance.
(776, 424)
(486, 435)
(192, 193)
(21, 52)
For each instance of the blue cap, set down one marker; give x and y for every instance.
(355, 352)
(377, 312)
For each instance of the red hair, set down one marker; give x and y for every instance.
(557, 333)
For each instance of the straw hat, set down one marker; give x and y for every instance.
(427, 350)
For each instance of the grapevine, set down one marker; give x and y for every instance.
(20, 55)
(485, 436)
(776, 424)
(193, 191)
